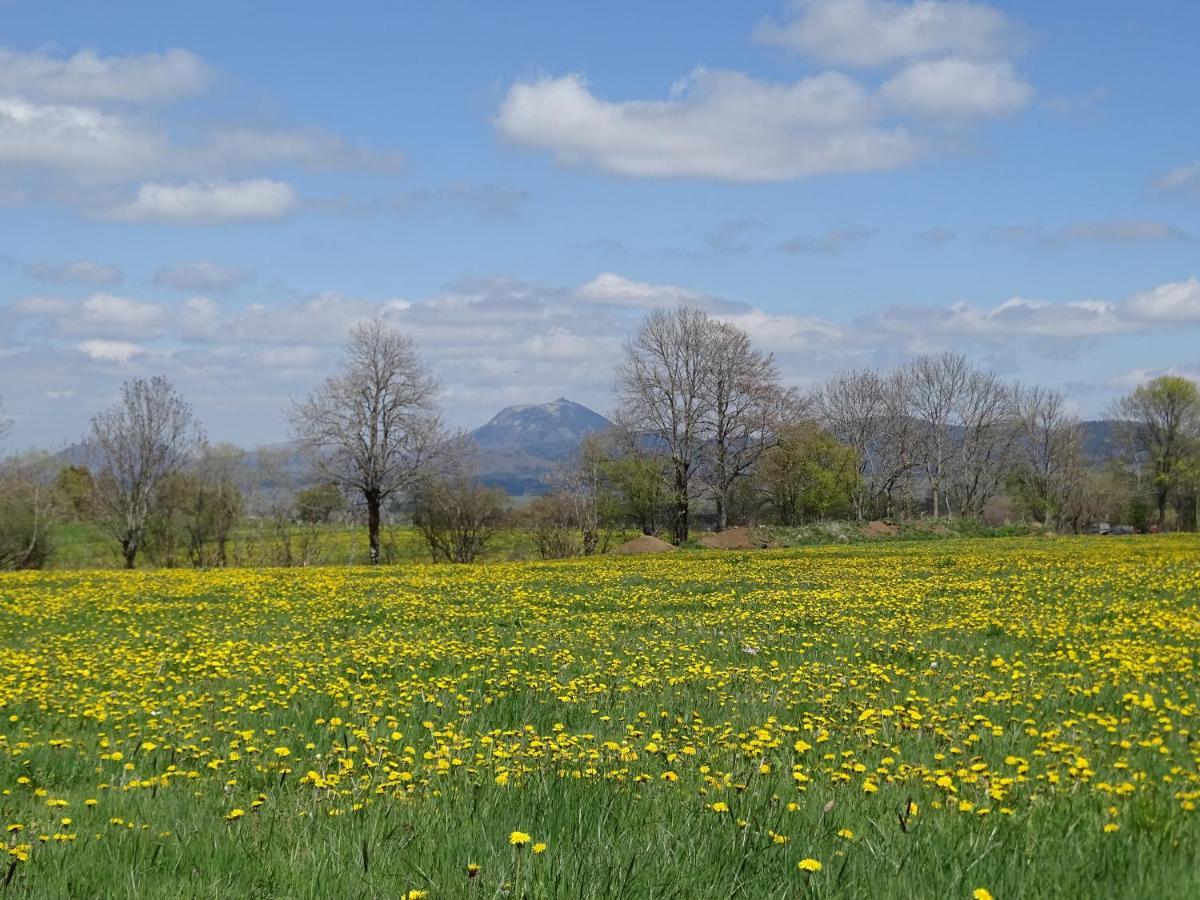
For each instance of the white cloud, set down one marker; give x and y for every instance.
(716, 124)
(110, 351)
(610, 289)
(107, 313)
(956, 88)
(879, 32)
(204, 277)
(81, 271)
(85, 143)
(1175, 302)
(209, 202)
(87, 76)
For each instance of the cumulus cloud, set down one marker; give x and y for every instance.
(204, 277)
(88, 144)
(81, 271)
(209, 202)
(110, 351)
(68, 134)
(880, 32)
(715, 124)
(88, 76)
(830, 243)
(957, 88)
(1175, 302)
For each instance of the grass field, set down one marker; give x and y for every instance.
(903, 719)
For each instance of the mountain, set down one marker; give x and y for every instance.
(1101, 441)
(522, 444)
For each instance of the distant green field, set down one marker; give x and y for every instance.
(84, 546)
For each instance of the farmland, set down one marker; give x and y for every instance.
(905, 719)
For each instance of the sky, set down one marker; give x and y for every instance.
(217, 192)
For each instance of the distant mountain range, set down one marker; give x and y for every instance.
(521, 445)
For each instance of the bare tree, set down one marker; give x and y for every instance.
(663, 390)
(869, 412)
(456, 514)
(1049, 463)
(935, 386)
(5, 423)
(985, 429)
(214, 504)
(745, 407)
(370, 428)
(149, 435)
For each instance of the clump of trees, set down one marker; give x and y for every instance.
(693, 391)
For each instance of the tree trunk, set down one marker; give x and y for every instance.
(373, 504)
(681, 504)
(129, 549)
(722, 511)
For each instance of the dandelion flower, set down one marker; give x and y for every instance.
(981, 894)
(809, 865)
(519, 839)
(539, 847)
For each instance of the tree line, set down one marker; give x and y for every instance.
(705, 432)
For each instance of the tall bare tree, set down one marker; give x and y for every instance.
(663, 391)
(985, 429)
(370, 427)
(869, 412)
(5, 423)
(746, 406)
(1163, 422)
(1049, 466)
(935, 387)
(149, 435)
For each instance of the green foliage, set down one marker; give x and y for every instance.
(320, 504)
(27, 512)
(807, 475)
(75, 486)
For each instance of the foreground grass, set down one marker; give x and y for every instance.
(921, 719)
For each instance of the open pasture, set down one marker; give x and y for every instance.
(1016, 716)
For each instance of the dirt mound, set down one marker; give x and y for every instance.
(644, 544)
(729, 539)
(879, 528)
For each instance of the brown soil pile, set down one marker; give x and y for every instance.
(879, 529)
(644, 544)
(729, 539)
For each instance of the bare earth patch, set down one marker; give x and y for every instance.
(644, 544)
(729, 539)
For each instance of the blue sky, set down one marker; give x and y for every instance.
(217, 194)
